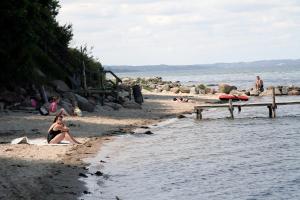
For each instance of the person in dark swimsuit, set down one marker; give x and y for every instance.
(58, 132)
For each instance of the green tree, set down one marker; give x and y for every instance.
(32, 43)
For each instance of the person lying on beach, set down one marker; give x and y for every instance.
(58, 132)
(180, 99)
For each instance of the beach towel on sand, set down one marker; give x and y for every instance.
(38, 141)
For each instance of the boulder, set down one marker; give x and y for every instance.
(284, 90)
(277, 91)
(184, 89)
(60, 86)
(123, 94)
(294, 92)
(201, 91)
(70, 96)
(84, 104)
(92, 100)
(255, 93)
(158, 90)
(50, 92)
(126, 79)
(247, 93)
(67, 106)
(194, 90)
(152, 86)
(10, 97)
(237, 93)
(166, 87)
(114, 106)
(101, 109)
(132, 105)
(148, 133)
(269, 92)
(110, 98)
(180, 116)
(175, 90)
(21, 91)
(175, 84)
(225, 88)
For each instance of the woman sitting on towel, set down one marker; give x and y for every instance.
(58, 132)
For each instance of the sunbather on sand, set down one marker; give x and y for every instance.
(58, 131)
(180, 99)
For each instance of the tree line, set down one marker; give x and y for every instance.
(34, 47)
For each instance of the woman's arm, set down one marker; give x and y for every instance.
(60, 127)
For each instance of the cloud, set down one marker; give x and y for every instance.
(184, 32)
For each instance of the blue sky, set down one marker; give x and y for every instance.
(141, 32)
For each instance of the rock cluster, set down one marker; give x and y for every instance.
(279, 90)
(32, 97)
(156, 84)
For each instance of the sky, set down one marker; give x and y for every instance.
(175, 32)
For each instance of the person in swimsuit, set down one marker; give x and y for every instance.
(58, 132)
(259, 84)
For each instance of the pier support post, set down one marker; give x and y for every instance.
(231, 109)
(270, 111)
(199, 113)
(274, 106)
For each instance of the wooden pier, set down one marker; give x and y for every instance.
(272, 106)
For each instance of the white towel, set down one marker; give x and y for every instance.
(38, 141)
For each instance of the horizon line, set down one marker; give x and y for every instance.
(234, 62)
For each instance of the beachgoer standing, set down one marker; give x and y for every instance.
(259, 84)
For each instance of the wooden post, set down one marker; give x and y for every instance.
(231, 109)
(199, 113)
(270, 111)
(83, 69)
(274, 106)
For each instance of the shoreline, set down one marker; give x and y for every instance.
(54, 171)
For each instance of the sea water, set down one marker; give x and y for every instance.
(242, 77)
(250, 157)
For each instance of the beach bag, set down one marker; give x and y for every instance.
(77, 111)
(43, 111)
(33, 103)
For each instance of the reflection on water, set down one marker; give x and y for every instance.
(251, 157)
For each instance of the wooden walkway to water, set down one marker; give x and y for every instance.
(272, 106)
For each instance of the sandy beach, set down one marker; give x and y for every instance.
(49, 172)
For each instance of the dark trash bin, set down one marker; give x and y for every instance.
(137, 94)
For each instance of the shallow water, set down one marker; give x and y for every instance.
(251, 157)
